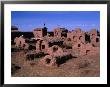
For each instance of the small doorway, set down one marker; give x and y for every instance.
(43, 46)
(48, 61)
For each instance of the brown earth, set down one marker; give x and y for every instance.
(84, 66)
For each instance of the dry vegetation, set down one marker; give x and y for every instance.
(83, 66)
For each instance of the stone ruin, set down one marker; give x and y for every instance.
(20, 42)
(81, 49)
(76, 36)
(55, 56)
(95, 39)
(40, 32)
(41, 45)
(44, 43)
(83, 43)
(60, 32)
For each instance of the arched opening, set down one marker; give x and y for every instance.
(43, 46)
(73, 37)
(87, 38)
(48, 61)
(55, 49)
(79, 45)
(69, 39)
(20, 42)
(80, 37)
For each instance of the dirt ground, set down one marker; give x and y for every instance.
(83, 66)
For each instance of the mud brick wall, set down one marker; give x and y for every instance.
(20, 42)
(40, 32)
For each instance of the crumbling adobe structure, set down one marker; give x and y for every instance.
(20, 42)
(76, 36)
(60, 32)
(40, 32)
(83, 49)
(48, 60)
(95, 39)
(55, 56)
(41, 45)
(44, 43)
(82, 43)
(86, 42)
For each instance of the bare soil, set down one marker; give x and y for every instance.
(82, 66)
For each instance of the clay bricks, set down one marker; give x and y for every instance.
(82, 43)
(40, 32)
(59, 32)
(20, 42)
